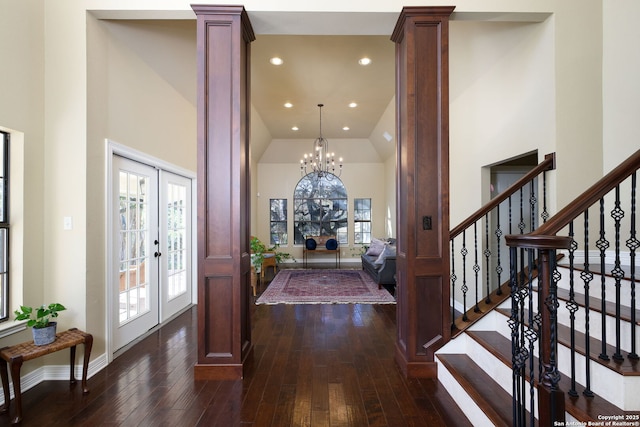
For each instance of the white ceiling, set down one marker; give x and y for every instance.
(321, 69)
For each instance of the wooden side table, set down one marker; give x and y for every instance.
(19, 353)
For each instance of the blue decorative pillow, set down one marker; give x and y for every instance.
(310, 244)
(332, 244)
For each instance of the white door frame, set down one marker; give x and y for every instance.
(113, 148)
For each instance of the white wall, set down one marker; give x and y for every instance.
(22, 114)
(501, 101)
(621, 86)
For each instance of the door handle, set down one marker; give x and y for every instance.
(157, 253)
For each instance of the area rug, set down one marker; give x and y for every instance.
(324, 287)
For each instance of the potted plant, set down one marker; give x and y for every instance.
(44, 330)
(257, 253)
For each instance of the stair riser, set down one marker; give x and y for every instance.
(595, 287)
(595, 325)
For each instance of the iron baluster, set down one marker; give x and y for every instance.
(518, 353)
(544, 214)
(453, 286)
(572, 307)
(476, 266)
(587, 277)
(532, 335)
(617, 214)
(521, 224)
(633, 244)
(498, 234)
(532, 206)
(464, 288)
(487, 256)
(603, 245)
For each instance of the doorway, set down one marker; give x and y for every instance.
(151, 248)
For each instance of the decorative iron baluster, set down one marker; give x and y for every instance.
(521, 224)
(633, 244)
(487, 257)
(552, 304)
(572, 307)
(464, 287)
(510, 217)
(603, 245)
(453, 286)
(617, 214)
(531, 333)
(498, 234)
(518, 354)
(587, 277)
(532, 206)
(544, 214)
(476, 266)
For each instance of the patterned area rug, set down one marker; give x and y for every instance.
(324, 287)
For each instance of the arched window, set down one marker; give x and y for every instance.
(320, 208)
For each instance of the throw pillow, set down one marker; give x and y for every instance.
(387, 251)
(332, 244)
(376, 247)
(310, 244)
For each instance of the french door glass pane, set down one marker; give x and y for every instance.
(176, 240)
(134, 241)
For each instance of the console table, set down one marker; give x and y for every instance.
(320, 248)
(19, 353)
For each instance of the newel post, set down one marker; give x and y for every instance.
(551, 408)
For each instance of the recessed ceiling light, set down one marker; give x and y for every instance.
(353, 105)
(294, 128)
(276, 61)
(288, 105)
(345, 128)
(364, 61)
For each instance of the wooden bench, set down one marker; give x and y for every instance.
(321, 248)
(19, 353)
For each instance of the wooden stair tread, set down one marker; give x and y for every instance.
(581, 407)
(492, 399)
(627, 366)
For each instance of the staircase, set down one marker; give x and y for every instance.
(475, 367)
(570, 292)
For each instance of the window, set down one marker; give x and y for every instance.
(320, 208)
(4, 226)
(362, 221)
(278, 222)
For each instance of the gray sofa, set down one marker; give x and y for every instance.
(380, 261)
(382, 274)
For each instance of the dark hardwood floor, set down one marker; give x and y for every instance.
(312, 365)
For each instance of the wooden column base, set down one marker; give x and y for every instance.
(416, 369)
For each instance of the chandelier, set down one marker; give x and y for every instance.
(321, 161)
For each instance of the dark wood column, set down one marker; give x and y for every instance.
(224, 330)
(422, 180)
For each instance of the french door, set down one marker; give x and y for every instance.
(151, 234)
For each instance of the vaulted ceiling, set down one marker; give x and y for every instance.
(321, 69)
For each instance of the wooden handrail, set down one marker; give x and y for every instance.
(584, 201)
(549, 163)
